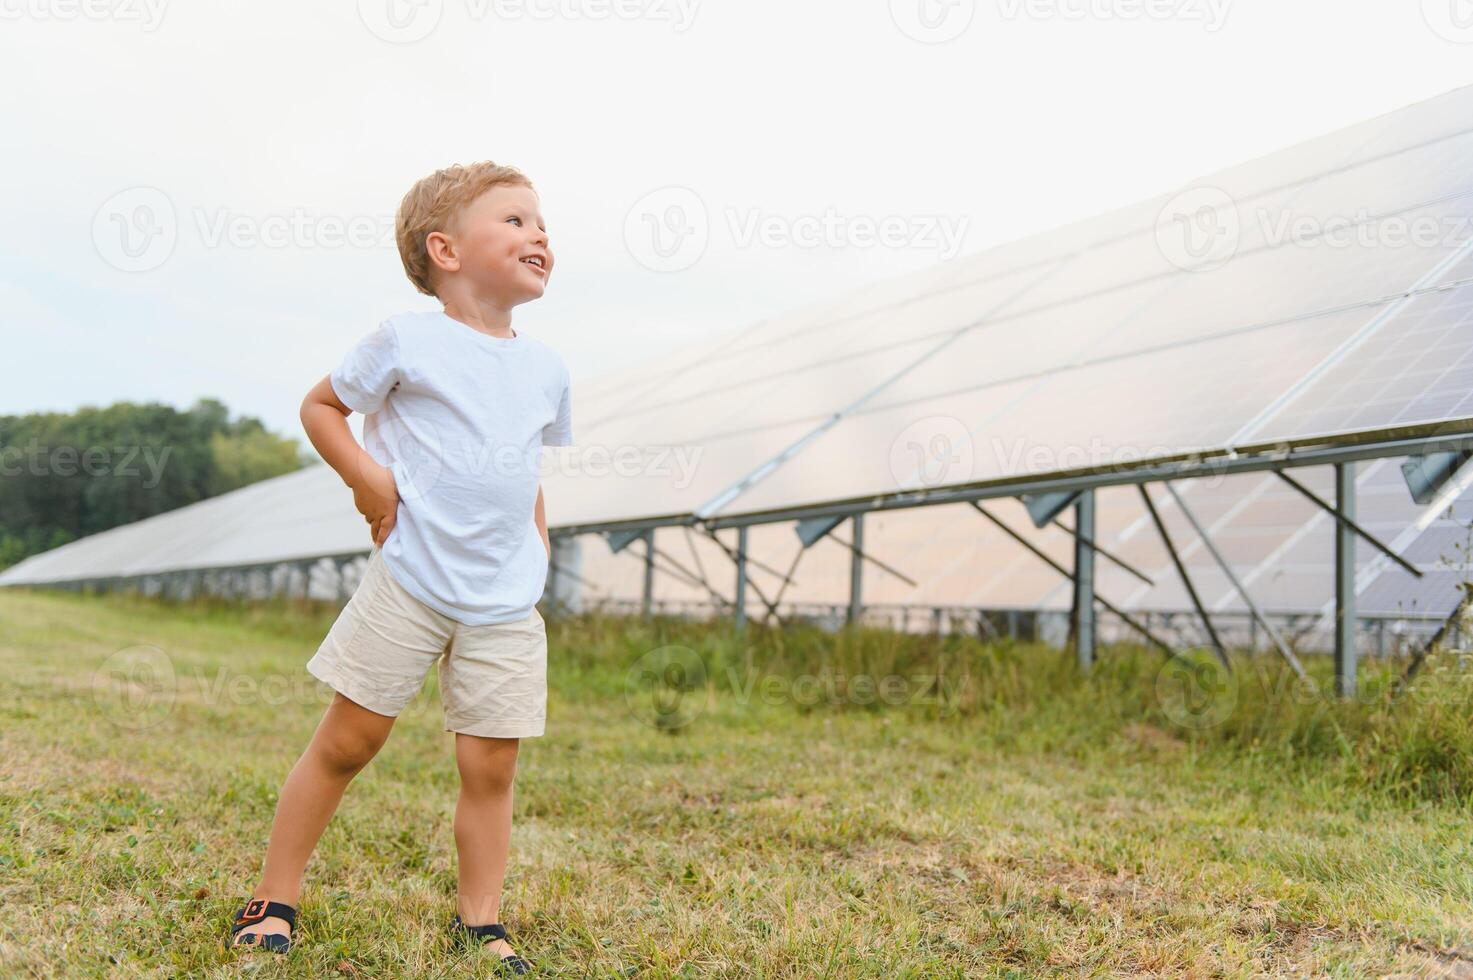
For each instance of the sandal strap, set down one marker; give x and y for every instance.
(259, 908)
(491, 930)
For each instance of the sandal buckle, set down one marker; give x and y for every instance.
(255, 909)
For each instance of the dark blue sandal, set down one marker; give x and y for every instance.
(489, 933)
(255, 910)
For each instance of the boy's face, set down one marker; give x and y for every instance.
(500, 242)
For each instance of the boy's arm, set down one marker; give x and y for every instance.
(542, 523)
(325, 420)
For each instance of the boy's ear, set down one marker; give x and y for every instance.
(440, 248)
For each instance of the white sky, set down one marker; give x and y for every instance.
(1038, 113)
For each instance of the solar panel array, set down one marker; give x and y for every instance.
(1315, 294)
(1351, 264)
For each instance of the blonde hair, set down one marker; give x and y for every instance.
(434, 201)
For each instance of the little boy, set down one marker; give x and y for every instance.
(458, 406)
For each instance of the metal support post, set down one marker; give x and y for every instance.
(1084, 579)
(647, 597)
(1345, 535)
(740, 617)
(856, 569)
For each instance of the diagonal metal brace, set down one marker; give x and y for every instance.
(1350, 523)
(1431, 645)
(1125, 617)
(1103, 553)
(1232, 577)
(730, 553)
(1186, 579)
(815, 529)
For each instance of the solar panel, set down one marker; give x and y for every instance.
(1418, 368)
(1160, 404)
(300, 515)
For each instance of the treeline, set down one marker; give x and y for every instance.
(67, 475)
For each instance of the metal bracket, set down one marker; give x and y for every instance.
(1426, 474)
(1044, 507)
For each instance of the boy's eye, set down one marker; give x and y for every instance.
(516, 219)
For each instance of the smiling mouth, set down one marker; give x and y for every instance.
(535, 261)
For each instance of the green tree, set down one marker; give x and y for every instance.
(68, 475)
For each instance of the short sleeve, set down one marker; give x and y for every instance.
(369, 371)
(559, 432)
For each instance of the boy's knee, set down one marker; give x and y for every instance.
(491, 770)
(348, 752)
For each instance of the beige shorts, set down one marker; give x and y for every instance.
(493, 679)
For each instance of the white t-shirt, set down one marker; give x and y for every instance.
(460, 418)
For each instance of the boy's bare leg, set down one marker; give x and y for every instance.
(346, 740)
(488, 766)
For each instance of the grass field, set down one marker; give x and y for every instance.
(785, 811)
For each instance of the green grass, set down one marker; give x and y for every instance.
(996, 815)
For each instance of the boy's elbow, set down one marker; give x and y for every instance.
(305, 411)
(321, 395)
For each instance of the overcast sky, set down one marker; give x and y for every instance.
(198, 197)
